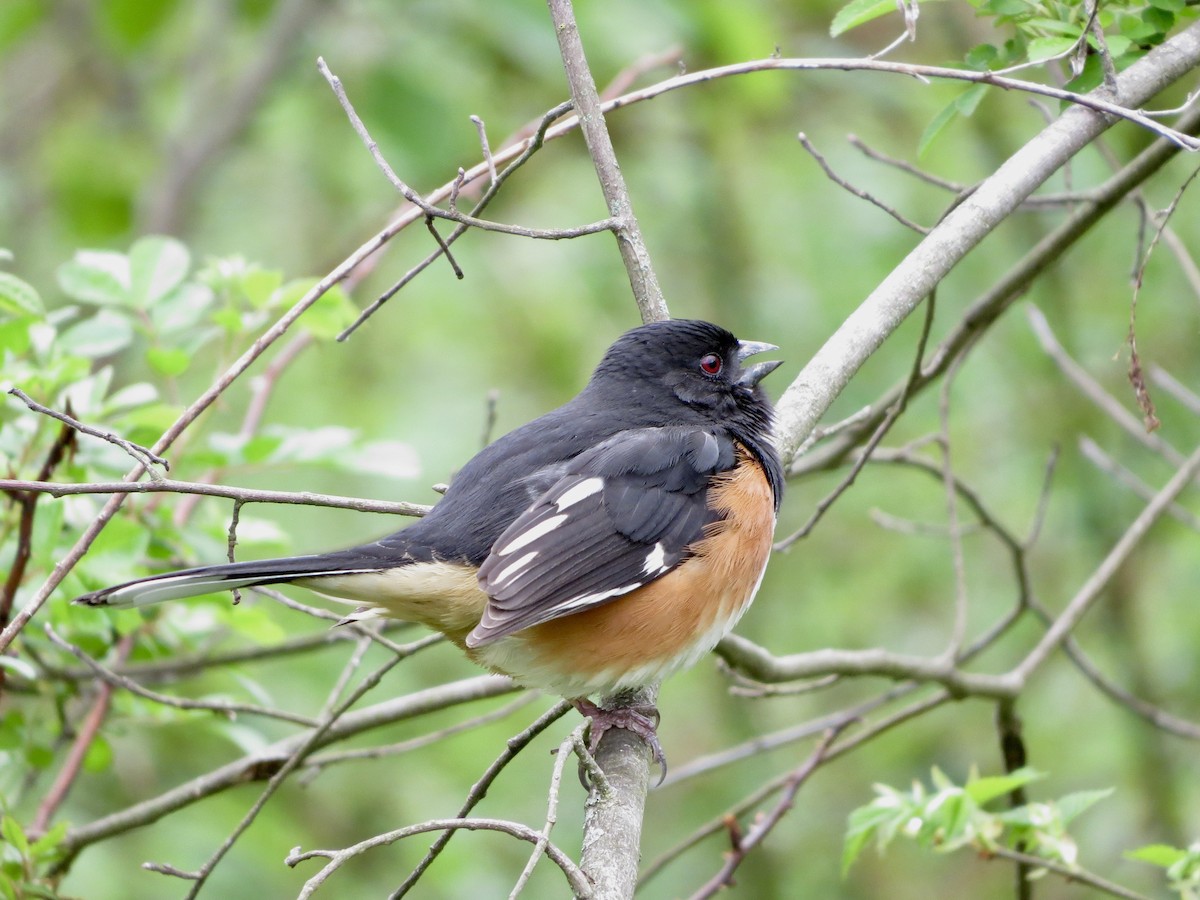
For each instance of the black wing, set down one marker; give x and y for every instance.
(621, 515)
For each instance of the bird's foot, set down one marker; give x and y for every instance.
(640, 720)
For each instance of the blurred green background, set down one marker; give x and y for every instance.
(210, 123)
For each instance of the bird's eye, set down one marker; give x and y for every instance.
(710, 364)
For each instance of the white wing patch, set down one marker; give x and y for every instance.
(585, 600)
(528, 536)
(656, 562)
(578, 492)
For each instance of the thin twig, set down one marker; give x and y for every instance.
(87, 733)
(857, 191)
(1092, 389)
(141, 454)
(575, 877)
(483, 144)
(428, 208)
(765, 824)
(556, 776)
(242, 495)
(260, 764)
(1070, 873)
(512, 748)
(227, 708)
(306, 746)
(314, 764)
(881, 430)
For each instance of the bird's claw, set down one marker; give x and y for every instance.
(640, 720)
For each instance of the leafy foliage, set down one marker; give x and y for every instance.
(1182, 866)
(946, 817)
(1116, 35)
(147, 311)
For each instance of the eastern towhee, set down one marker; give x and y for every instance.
(595, 550)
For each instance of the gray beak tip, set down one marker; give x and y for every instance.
(752, 375)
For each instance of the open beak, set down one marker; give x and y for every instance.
(752, 375)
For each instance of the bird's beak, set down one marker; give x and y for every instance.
(752, 375)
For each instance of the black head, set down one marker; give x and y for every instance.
(686, 371)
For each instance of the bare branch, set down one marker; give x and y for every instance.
(241, 495)
(1092, 389)
(263, 763)
(823, 379)
(138, 452)
(991, 305)
(764, 825)
(1070, 873)
(428, 208)
(857, 191)
(224, 707)
(512, 748)
(642, 279)
(1099, 579)
(576, 878)
(73, 764)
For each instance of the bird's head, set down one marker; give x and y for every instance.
(686, 370)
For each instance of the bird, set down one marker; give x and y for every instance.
(591, 552)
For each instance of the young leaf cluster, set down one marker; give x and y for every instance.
(946, 816)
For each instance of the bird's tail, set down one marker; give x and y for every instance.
(211, 579)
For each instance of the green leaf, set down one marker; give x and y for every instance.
(157, 265)
(981, 57)
(47, 845)
(15, 338)
(865, 822)
(1163, 855)
(964, 104)
(1136, 28)
(181, 310)
(130, 396)
(12, 832)
(983, 790)
(1072, 805)
(391, 459)
(170, 361)
(1049, 47)
(97, 277)
(103, 334)
(19, 667)
(856, 12)
(1161, 20)
(1118, 44)
(1055, 26)
(1169, 5)
(18, 297)
(99, 755)
(1005, 7)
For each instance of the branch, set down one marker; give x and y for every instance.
(989, 307)
(743, 844)
(512, 748)
(263, 763)
(73, 764)
(830, 370)
(636, 257)
(576, 878)
(224, 707)
(242, 495)
(138, 452)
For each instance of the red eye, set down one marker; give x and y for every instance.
(710, 364)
